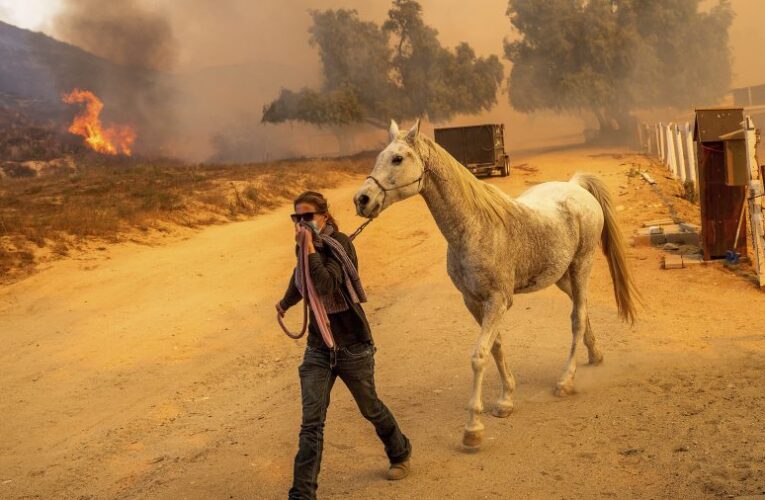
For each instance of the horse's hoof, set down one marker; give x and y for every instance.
(596, 359)
(471, 440)
(502, 410)
(563, 390)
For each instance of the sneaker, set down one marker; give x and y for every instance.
(398, 471)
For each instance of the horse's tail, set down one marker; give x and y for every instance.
(625, 290)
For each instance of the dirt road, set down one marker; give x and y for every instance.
(159, 372)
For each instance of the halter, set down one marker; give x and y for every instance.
(418, 180)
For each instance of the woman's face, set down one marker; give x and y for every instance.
(320, 219)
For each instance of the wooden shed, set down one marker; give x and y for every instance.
(722, 193)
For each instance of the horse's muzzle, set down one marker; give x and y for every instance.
(369, 201)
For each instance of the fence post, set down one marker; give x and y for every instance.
(660, 141)
(670, 160)
(690, 151)
(656, 139)
(679, 152)
(754, 196)
(648, 138)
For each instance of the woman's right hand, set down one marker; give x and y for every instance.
(299, 228)
(279, 310)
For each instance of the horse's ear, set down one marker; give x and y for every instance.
(413, 133)
(393, 130)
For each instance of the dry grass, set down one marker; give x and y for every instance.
(44, 218)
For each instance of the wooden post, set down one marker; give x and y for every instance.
(660, 143)
(690, 152)
(671, 160)
(680, 158)
(648, 138)
(754, 197)
(657, 141)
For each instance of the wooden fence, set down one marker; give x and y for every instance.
(673, 144)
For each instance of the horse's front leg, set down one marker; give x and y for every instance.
(492, 310)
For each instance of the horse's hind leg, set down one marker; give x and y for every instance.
(579, 275)
(593, 353)
(504, 406)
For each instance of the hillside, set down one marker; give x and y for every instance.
(36, 66)
(202, 114)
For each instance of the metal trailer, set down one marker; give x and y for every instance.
(480, 148)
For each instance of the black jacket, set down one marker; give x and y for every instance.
(348, 327)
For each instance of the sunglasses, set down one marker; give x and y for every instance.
(304, 217)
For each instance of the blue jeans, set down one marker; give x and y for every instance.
(354, 365)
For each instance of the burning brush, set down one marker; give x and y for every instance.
(112, 140)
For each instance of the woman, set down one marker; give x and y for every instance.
(353, 360)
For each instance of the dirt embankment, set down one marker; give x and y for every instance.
(159, 372)
(79, 207)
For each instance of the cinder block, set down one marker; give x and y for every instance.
(673, 262)
(692, 239)
(682, 238)
(658, 239)
(671, 228)
(689, 260)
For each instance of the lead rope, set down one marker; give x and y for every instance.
(359, 229)
(310, 295)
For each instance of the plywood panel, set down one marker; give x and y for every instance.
(720, 204)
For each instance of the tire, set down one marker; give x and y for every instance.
(504, 171)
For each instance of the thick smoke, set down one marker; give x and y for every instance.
(125, 32)
(137, 89)
(230, 58)
(220, 62)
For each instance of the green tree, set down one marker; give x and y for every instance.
(398, 70)
(611, 57)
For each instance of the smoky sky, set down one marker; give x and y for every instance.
(193, 34)
(126, 32)
(233, 56)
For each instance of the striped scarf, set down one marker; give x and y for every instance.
(336, 302)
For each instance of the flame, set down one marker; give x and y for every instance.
(111, 140)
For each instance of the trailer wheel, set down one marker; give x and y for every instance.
(506, 165)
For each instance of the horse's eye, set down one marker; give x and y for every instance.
(397, 160)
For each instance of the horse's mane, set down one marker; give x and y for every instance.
(488, 199)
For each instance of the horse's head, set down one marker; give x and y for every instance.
(397, 174)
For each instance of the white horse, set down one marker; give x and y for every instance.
(499, 246)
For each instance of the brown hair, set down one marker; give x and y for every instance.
(319, 202)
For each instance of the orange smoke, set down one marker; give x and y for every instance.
(111, 140)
